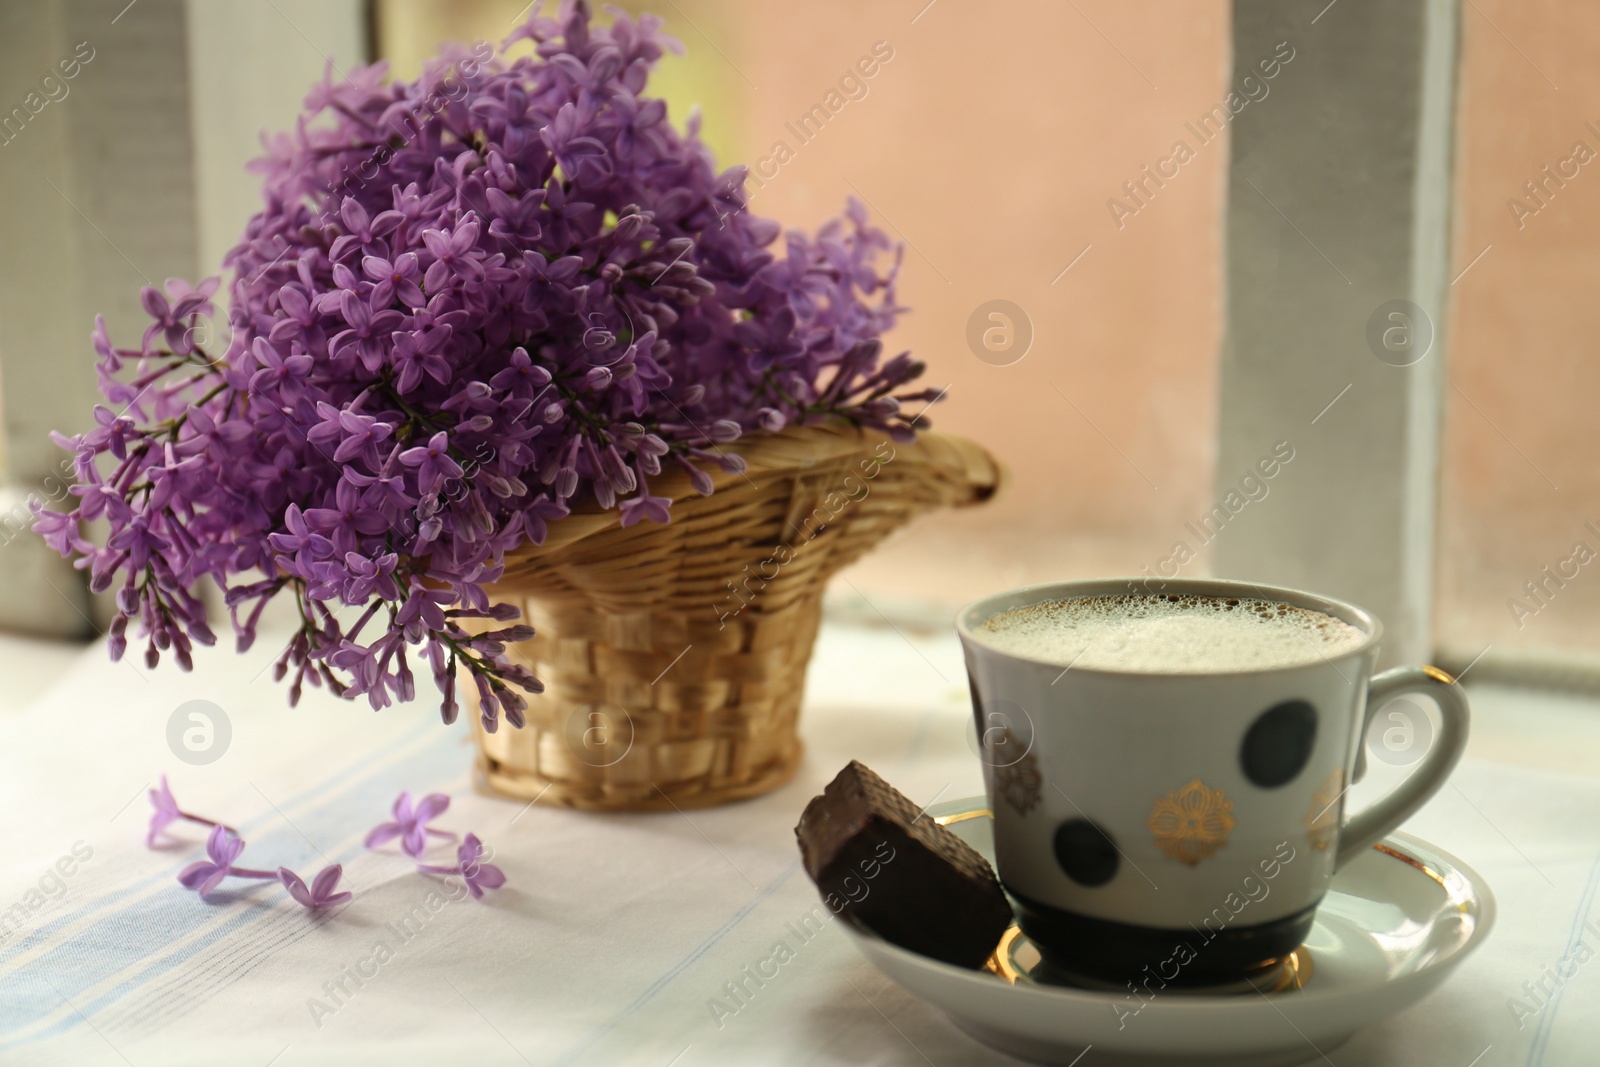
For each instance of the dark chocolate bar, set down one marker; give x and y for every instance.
(875, 857)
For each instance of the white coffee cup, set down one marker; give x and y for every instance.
(1185, 824)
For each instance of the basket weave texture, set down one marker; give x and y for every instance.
(674, 656)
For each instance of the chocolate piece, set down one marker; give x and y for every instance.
(876, 857)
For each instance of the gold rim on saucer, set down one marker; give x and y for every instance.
(1017, 960)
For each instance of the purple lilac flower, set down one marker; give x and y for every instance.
(223, 847)
(167, 811)
(410, 823)
(470, 303)
(477, 874)
(321, 893)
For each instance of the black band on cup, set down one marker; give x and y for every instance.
(1077, 946)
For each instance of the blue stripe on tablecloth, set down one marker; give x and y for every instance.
(913, 747)
(259, 913)
(45, 931)
(666, 979)
(139, 929)
(1547, 1019)
(67, 974)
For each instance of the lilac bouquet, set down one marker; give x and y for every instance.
(470, 303)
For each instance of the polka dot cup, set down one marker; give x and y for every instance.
(1181, 827)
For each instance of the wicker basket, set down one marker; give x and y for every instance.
(674, 656)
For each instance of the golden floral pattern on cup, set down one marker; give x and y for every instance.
(1192, 823)
(1322, 817)
(1019, 782)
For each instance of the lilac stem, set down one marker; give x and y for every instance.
(440, 833)
(203, 821)
(431, 869)
(246, 872)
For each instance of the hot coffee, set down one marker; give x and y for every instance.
(1189, 634)
(1167, 774)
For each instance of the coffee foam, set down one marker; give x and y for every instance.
(1169, 634)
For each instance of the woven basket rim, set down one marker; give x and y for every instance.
(788, 450)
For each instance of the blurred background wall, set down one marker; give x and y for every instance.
(990, 141)
(1522, 437)
(996, 140)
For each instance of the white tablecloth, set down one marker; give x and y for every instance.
(615, 934)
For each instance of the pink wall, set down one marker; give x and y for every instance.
(1522, 441)
(993, 139)
(992, 144)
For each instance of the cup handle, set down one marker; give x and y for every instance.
(1362, 831)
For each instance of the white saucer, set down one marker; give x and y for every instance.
(1393, 926)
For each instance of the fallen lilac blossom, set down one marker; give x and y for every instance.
(410, 823)
(477, 874)
(321, 893)
(222, 848)
(167, 812)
